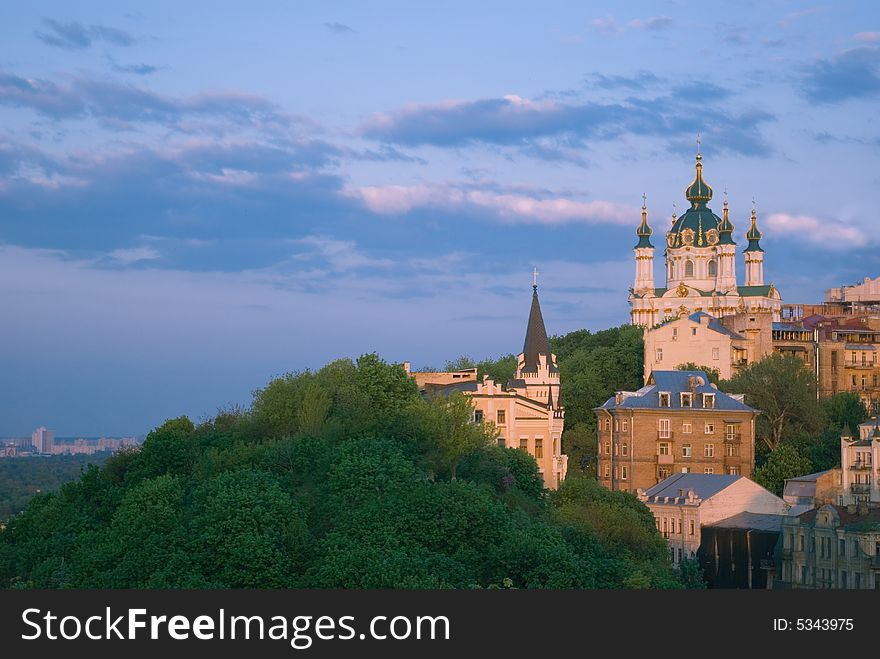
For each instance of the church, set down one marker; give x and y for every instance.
(700, 265)
(527, 410)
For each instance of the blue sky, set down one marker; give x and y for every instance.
(191, 203)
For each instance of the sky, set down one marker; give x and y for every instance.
(192, 203)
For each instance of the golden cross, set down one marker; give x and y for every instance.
(535, 274)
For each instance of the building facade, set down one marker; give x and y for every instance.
(677, 422)
(700, 265)
(526, 411)
(685, 502)
(42, 440)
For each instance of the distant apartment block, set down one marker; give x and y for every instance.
(42, 440)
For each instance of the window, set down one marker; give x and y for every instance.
(607, 425)
(616, 425)
(842, 549)
(524, 444)
(624, 425)
(659, 355)
(731, 432)
(624, 472)
(710, 429)
(713, 269)
(688, 268)
(616, 449)
(624, 448)
(709, 450)
(663, 472)
(664, 399)
(693, 331)
(716, 354)
(733, 471)
(708, 470)
(731, 450)
(685, 470)
(663, 448)
(687, 399)
(607, 471)
(663, 429)
(709, 401)
(691, 527)
(539, 448)
(686, 428)
(500, 417)
(675, 334)
(607, 448)
(685, 450)
(478, 416)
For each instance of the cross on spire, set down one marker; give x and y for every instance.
(535, 275)
(698, 143)
(644, 200)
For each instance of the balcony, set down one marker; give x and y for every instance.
(732, 439)
(666, 459)
(860, 465)
(860, 488)
(664, 435)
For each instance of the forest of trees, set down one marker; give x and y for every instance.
(21, 478)
(345, 477)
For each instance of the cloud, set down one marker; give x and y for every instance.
(520, 122)
(852, 74)
(814, 230)
(76, 36)
(127, 256)
(339, 28)
(867, 36)
(340, 255)
(510, 207)
(102, 99)
(136, 69)
(637, 82)
(609, 25)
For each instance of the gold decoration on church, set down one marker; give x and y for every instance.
(712, 237)
(670, 239)
(682, 311)
(682, 290)
(687, 236)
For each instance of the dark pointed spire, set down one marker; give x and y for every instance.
(753, 235)
(549, 398)
(536, 342)
(699, 192)
(644, 231)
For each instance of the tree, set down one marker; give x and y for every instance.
(844, 409)
(713, 373)
(785, 393)
(786, 461)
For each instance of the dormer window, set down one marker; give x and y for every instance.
(664, 399)
(687, 399)
(709, 401)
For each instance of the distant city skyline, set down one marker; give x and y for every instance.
(192, 202)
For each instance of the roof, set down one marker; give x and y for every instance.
(644, 231)
(703, 485)
(536, 342)
(714, 324)
(871, 423)
(789, 327)
(847, 519)
(754, 291)
(752, 521)
(802, 486)
(676, 382)
(447, 389)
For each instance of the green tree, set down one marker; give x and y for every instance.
(844, 409)
(785, 393)
(786, 461)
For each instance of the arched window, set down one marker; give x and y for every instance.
(688, 268)
(671, 270)
(713, 270)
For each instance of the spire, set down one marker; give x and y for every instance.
(549, 398)
(847, 432)
(536, 342)
(725, 227)
(644, 231)
(753, 235)
(698, 192)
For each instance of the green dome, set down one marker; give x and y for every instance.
(644, 231)
(725, 228)
(753, 235)
(699, 192)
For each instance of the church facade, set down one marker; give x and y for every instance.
(700, 265)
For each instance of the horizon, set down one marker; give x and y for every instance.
(194, 204)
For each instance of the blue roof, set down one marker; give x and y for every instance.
(788, 327)
(703, 485)
(751, 521)
(714, 324)
(675, 383)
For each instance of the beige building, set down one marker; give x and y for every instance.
(700, 265)
(677, 422)
(860, 465)
(685, 502)
(526, 410)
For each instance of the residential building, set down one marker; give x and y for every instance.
(42, 440)
(860, 465)
(848, 357)
(686, 502)
(831, 547)
(700, 267)
(678, 422)
(857, 298)
(526, 411)
(804, 493)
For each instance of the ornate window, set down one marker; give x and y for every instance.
(688, 268)
(713, 268)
